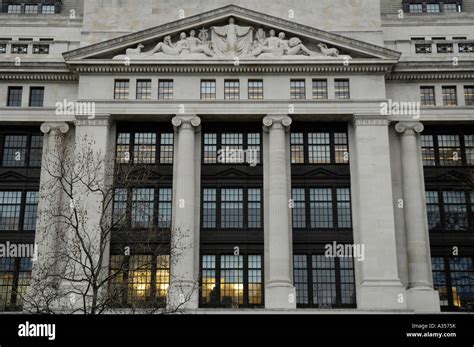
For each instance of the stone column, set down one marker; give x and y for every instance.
(279, 289)
(46, 237)
(378, 286)
(421, 296)
(184, 289)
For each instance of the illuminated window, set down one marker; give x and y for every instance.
(165, 89)
(143, 148)
(231, 89)
(255, 89)
(232, 281)
(428, 151)
(143, 89)
(449, 96)
(15, 277)
(319, 148)
(449, 149)
(342, 89)
(324, 282)
(469, 95)
(297, 89)
(121, 89)
(232, 148)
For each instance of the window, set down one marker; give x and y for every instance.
(139, 280)
(232, 281)
(319, 148)
(327, 208)
(3, 48)
(121, 89)
(14, 9)
(232, 208)
(36, 96)
(428, 151)
(320, 89)
(208, 89)
(144, 148)
(255, 89)
(452, 277)
(324, 282)
(342, 89)
(16, 153)
(15, 277)
(447, 149)
(427, 96)
(40, 49)
(14, 96)
(449, 96)
(297, 89)
(448, 210)
(140, 210)
(416, 8)
(30, 8)
(19, 49)
(232, 89)
(231, 148)
(423, 48)
(445, 48)
(451, 8)
(469, 95)
(48, 9)
(165, 90)
(18, 210)
(432, 8)
(143, 89)
(466, 47)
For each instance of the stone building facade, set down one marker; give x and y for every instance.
(276, 131)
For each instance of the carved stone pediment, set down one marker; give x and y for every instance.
(226, 34)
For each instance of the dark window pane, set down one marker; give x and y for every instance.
(14, 96)
(36, 96)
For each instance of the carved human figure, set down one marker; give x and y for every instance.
(294, 46)
(197, 46)
(268, 45)
(231, 40)
(170, 48)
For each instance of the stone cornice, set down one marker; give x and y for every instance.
(231, 10)
(37, 76)
(429, 76)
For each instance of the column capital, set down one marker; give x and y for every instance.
(369, 120)
(186, 121)
(54, 126)
(409, 128)
(95, 120)
(277, 121)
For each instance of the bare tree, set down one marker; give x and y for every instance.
(79, 220)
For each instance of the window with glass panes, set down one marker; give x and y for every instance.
(427, 96)
(165, 89)
(143, 89)
(14, 96)
(36, 96)
(450, 7)
(432, 8)
(136, 207)
(416, 8)
(255, 89)
(19, 49)
(231, 148)
(14, 9)
(449, 96)
(40, 49)
(326, 147)
(232, 208)
(21, 150)
(320, 89)
(15, 277)
(31, 8)
(449, 210)
(121, 89)
(208, 89)
(18, 210)
(324, 282)
(298, 89)
(138, 280)
(232, 89)
(321, 208)
(231, 281)
(447, 149)
(48, 9)
(144, 147)
(342, 89)
(469, 95)
(452, 278)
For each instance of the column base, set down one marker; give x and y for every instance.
(183, 296)
(381, 295)
(280, 296)
(423, 300)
